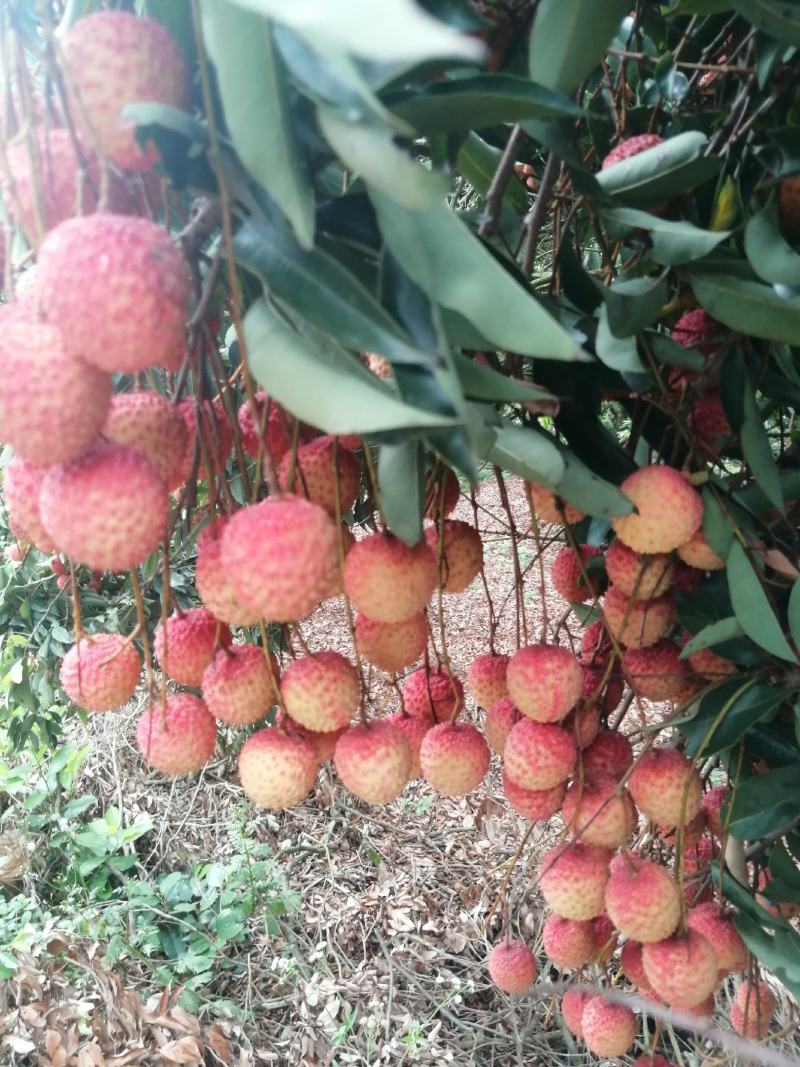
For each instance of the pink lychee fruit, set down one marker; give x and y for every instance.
(696, 329)
(391, 646)
(178, 735)
(631, 146)
(374, 761)
(638, 576)
(211, 580)
(312, 474)
(185, 646)
(100, 672)
(709, 425)
(544, 681)
(211, 437)
(656, 672)
(601, 688)
(668, 510)
(605, 938)
(610, 754)
(642, 898)
(566, 574)
(583, 724)
(500, 717)
(441, 494)
(321, 691)
(454, 758)
(414, 731)
(753, 1009)
(538, 755)
(22, 483)
(347, 540)
(690, 833)
(682, 969)
(486, 678)
(239, 684)
(107, 508)
(600, 812)
(461, 554)
(698, 553)
(387, 580)
(277, 770)
(569, 943)
(148, 422)
(551, 508)
(718, 929)
(573, 880)
(712, 804)
(323, 744)
(572, 1004)
(277, 427)
(512, 966)
(666, 787)
(631, 965)
(710, 666)
(609, 1030)
(637, 623)
(433, 694)
(535, 805)
(595, 645)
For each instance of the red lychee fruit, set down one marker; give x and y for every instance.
(637, 623)
(374, 761)
(572, 1004)
(535, 805)
(637, 576)
(454, 758)
(240, 684)
(538, 755)
(605, 939)
(277, 770)
(656, 672)
(56, 423)
(711, 666)
(336, 588)
(595, 645)
(433, 694)
(117, 288)
(280, 556)
(441, 491)
(213, 441)
(682, 969)
(323, 744)
(387, 580)
(712, 803)
(414, 731)
(566, 576)
(631, 965)
(696, 329)
(697, 552)
(107, 508)
(609, 754)
(642, 898)
(22, 483)
(462, 554)
(753, 1010)
(599, 812)
(631, 146)
(666, 787)
(718, 929)
(391, 646)
(148, 422)
(101, 672)
(177, 736)
(312, 474)
(668, 510)
(709, 425)
(321, 691)
(278, 427)
(212, 583)
(512, 966)
(569, 943)
(697, 869)
(573, 880)
(583, 724)
(116, 59)
(544, 681)
(605, 691)
(609, 1030)
(185, 647)
(500, 717)
(692, 832)
(486, 679)
(550, 508)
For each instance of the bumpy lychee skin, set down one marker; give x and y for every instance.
(321, 691)
(22, 483)
(609, 754)
(277, 770)
(631, 965)
(696, 329)
(277, 425)
(238, 685)
(441, 493)
(682, 969)
(631, 146)
(583, 724)
(454, 758)
(718, 929)
(609, 1030)
(637, 623)
(433, 694)
(500, 717)
(213, 439)
(566, 575)
(572, 1004)
(666, 787)
(638, 576)
(573, 879)
(101, 672)
(374, 761)
(709, 425)
(569, 943)
(753, 1009)
(711, 666)
(129, 268)
(691, 832)
(605, 939)
(595, 645)
(414, 731)
(462, 555)
(538, 755)
(148, 422)
(116, 59)
(107, 509)
(512, 966)
(600, 812)
(312, 474)
(544, 681)
(535, 805)
(668, 510)
(323, 744)
(548, 509)
(280, 557)
(184, 648)
(391, 646)
(486, 679)
(697, 552)
(712, 804)
(56, 423)
(656, 672)
(177, 736)
(642, 898)
(212, 583)
(387, 580)
(604, 691)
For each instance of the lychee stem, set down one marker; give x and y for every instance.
(537, 537)
(348, 607)
(492, 618)
(518, 595)
(141, 620)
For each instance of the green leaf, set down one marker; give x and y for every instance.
(779, 18)
(752, 607)
(713, 634)
(569, 37)
(764, 803)
(770, 255)
(747, 306)
(401, 481)
(738, 705)
(619, 353)
(665, 350)
(480, 382)
(477, 161)
(633, 303)
(672, 242)
(785, 881)
(526, 453)
(757, 449)
(779, 951)
(660, 173)
(582, 488)
(252, 87)
(439, 253)
(342, 400)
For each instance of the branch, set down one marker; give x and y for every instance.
(500, 180)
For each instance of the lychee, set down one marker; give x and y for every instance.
(312, 473)
(637, 623)
(22, 483)
(601, 688)
(595, 645)
(789, 206)
(279, 557)
(461, 554)
(323, 744)
(666, 787)
(277, 770)
(631, 146)
(374, 761)
(512, 966)
(544, 681)
(441, 493)
(551, 508)
(697, 552)
(100, 672)
(569, 943)
(690, 833)
(572, 1004)
(433, 694)
(117, 288)
(277, 427)
(709, 424)
(321, 691)
(212, 583)
(500, 717)
(148, 422)
(414, 731)
(682, 969)
(336, 587)
(697, 860)
(710, 666)
(668, 510)
(753, 1009)
(185, 647)
(538, 755)
(583, 724)
(107, 508)
(454, 758)
(535, 805)
(642, 898)
(573, 879)
(718, 929)
(609, 1030)
(609, 754)
(712, 804)
(631, 965)
(391, 646)
(605, 939)
(656, 672)
(566, 574)
(696, 329)
(178, 735)
(387, 580)
(212, 441)
(240, 684)
(638, 576)
(599, 812)
(486, 678)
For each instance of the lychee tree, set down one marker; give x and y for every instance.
(282, 278)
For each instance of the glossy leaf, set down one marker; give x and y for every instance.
(672, 242)
(748, 307)
(401, 482)
(785, 881)
(757, 449)
(764, 803)
(778, 950)
(794, 613)
(779, 18)
(568, 37)
(727, 712)
(713, 634)
(618, 353)
(584, 489)
(480, 382)
(478, 161)
(770, 255)
(665, 350)
(527, 453)
(659, 173)
(633, 303)
(752, 607)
